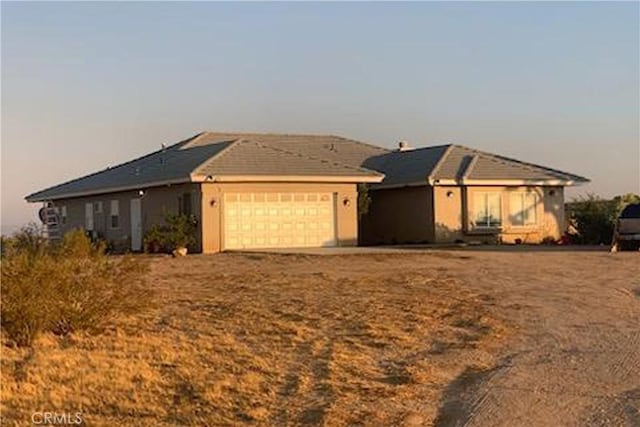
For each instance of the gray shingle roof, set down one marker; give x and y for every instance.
(172, 164)
(249, 157)
(330, 147)
(405, 167)
(458, 163)
(217, 154)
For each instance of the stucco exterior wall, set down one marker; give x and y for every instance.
(449, 213)
(212, 208)
(402, 215)
(454, 213)
(154, 203)
(399, 215)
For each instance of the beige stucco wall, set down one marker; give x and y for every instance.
(212, 207)
(402, 215)
(454, 213)
(449, 213)
(399, 215)
(155, 202)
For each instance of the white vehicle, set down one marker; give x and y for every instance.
(626, 235)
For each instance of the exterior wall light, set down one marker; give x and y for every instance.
(213, 202)
(449, 194)
(346, 202)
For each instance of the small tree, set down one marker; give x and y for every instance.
(181, 230)
(364, 200)
(620, 202)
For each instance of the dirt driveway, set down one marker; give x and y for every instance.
(576, 357)
(476, 337)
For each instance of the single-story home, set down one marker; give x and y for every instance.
(280, 190)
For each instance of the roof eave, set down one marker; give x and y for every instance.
(511, 182)
(36, 197)
(384, 186)
(490, 182)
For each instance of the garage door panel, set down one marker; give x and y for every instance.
(262, 220)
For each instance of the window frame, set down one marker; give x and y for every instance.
(488, 225)
(523, 195)
(182, 203)
(114, 213)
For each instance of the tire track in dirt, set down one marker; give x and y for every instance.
(628, 362)
(466, 395)
(319, 396)
(577, 360)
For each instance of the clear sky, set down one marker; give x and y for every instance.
(86, 85)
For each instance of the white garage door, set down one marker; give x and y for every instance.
(278, 220)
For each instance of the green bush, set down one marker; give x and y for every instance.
(68, 287)
(594, 218)
(177, 232)
(155, 240)
(364, 200)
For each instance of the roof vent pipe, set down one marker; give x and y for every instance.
(163, 148)
(403, 146)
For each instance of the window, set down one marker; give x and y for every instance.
(63, 214)
(184, 204)
(115, 214)
(97, 207)
(522, 208)
(488, 210)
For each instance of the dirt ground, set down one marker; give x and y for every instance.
(464, 337)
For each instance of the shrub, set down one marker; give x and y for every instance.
(178, 231)
(595, 218)
(181, 230)
(68, 287)
(28, 240)
(155, 240)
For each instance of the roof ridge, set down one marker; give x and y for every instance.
(266, 133)
(470, 166)
(441, 160)
(366, 144)
(232, 143)
(343, 165)
(326, 135)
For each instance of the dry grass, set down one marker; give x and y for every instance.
(268, 340)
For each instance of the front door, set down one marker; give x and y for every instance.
(136, 225)
(88, 216)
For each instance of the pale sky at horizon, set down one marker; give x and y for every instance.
(86, 85)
